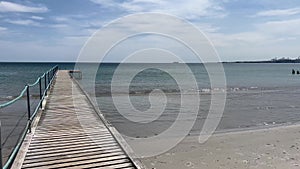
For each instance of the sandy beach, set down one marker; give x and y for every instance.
(272, 148)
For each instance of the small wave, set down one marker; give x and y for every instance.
(7, 98)
(205, 90)
(236, 89)
(105, 92)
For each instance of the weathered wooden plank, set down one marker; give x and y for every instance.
(75, 129)
(76, 160)
(30, 152)
(75, 142)
(99, 150)
(70, 156)
(119, 166)
(71, 146)
(93, 163)
(113, 166)
(45, 136)
(78, 137)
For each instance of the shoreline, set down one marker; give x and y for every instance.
(274, 147)
(255, 128)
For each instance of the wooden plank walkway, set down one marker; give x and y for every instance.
(69, 136)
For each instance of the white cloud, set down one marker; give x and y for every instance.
(268, 33)
(106, 3)
(70, 18)
(26, 22)
(76, 25)
(281, 28)
(61, 19)
(207, 28)
(279, 12)
(187, 9)
(59, 26)
(265, 40)
(37, 18)
(239, 39)
(14, 7)
(2, 29)
(55, 52)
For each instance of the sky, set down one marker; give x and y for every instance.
(56, 30)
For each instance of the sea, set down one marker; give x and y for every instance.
(258, 94)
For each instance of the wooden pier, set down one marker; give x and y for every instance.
(68, 136)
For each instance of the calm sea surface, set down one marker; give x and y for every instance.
(257, 94)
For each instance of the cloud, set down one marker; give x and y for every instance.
(207, 28)
(55, 52)
(248, 39)
(76, 25)
(61, 19)
(70, 18)
(14, 7)
(59, 26)
(281, 28)
(37, 18)
(186, 9)
(2, 29)
(26, 22)
(265, 40)
(266, 33)
(279, 12)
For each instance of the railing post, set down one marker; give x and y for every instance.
(48, 78)
(28, 108)
(50, 74)
(45, 84)
(40, 85)
(1, 165)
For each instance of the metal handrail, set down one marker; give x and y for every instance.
(49, 77)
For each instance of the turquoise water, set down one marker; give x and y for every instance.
(14, 76)
(257, 94)
(238, 76)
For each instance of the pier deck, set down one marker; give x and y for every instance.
(69, 136)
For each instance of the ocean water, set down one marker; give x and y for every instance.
(14, 76)
(258, 95)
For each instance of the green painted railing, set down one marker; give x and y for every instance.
(47, 79)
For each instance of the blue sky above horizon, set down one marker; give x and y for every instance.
(56, 30)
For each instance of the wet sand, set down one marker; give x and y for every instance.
(272, 148)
